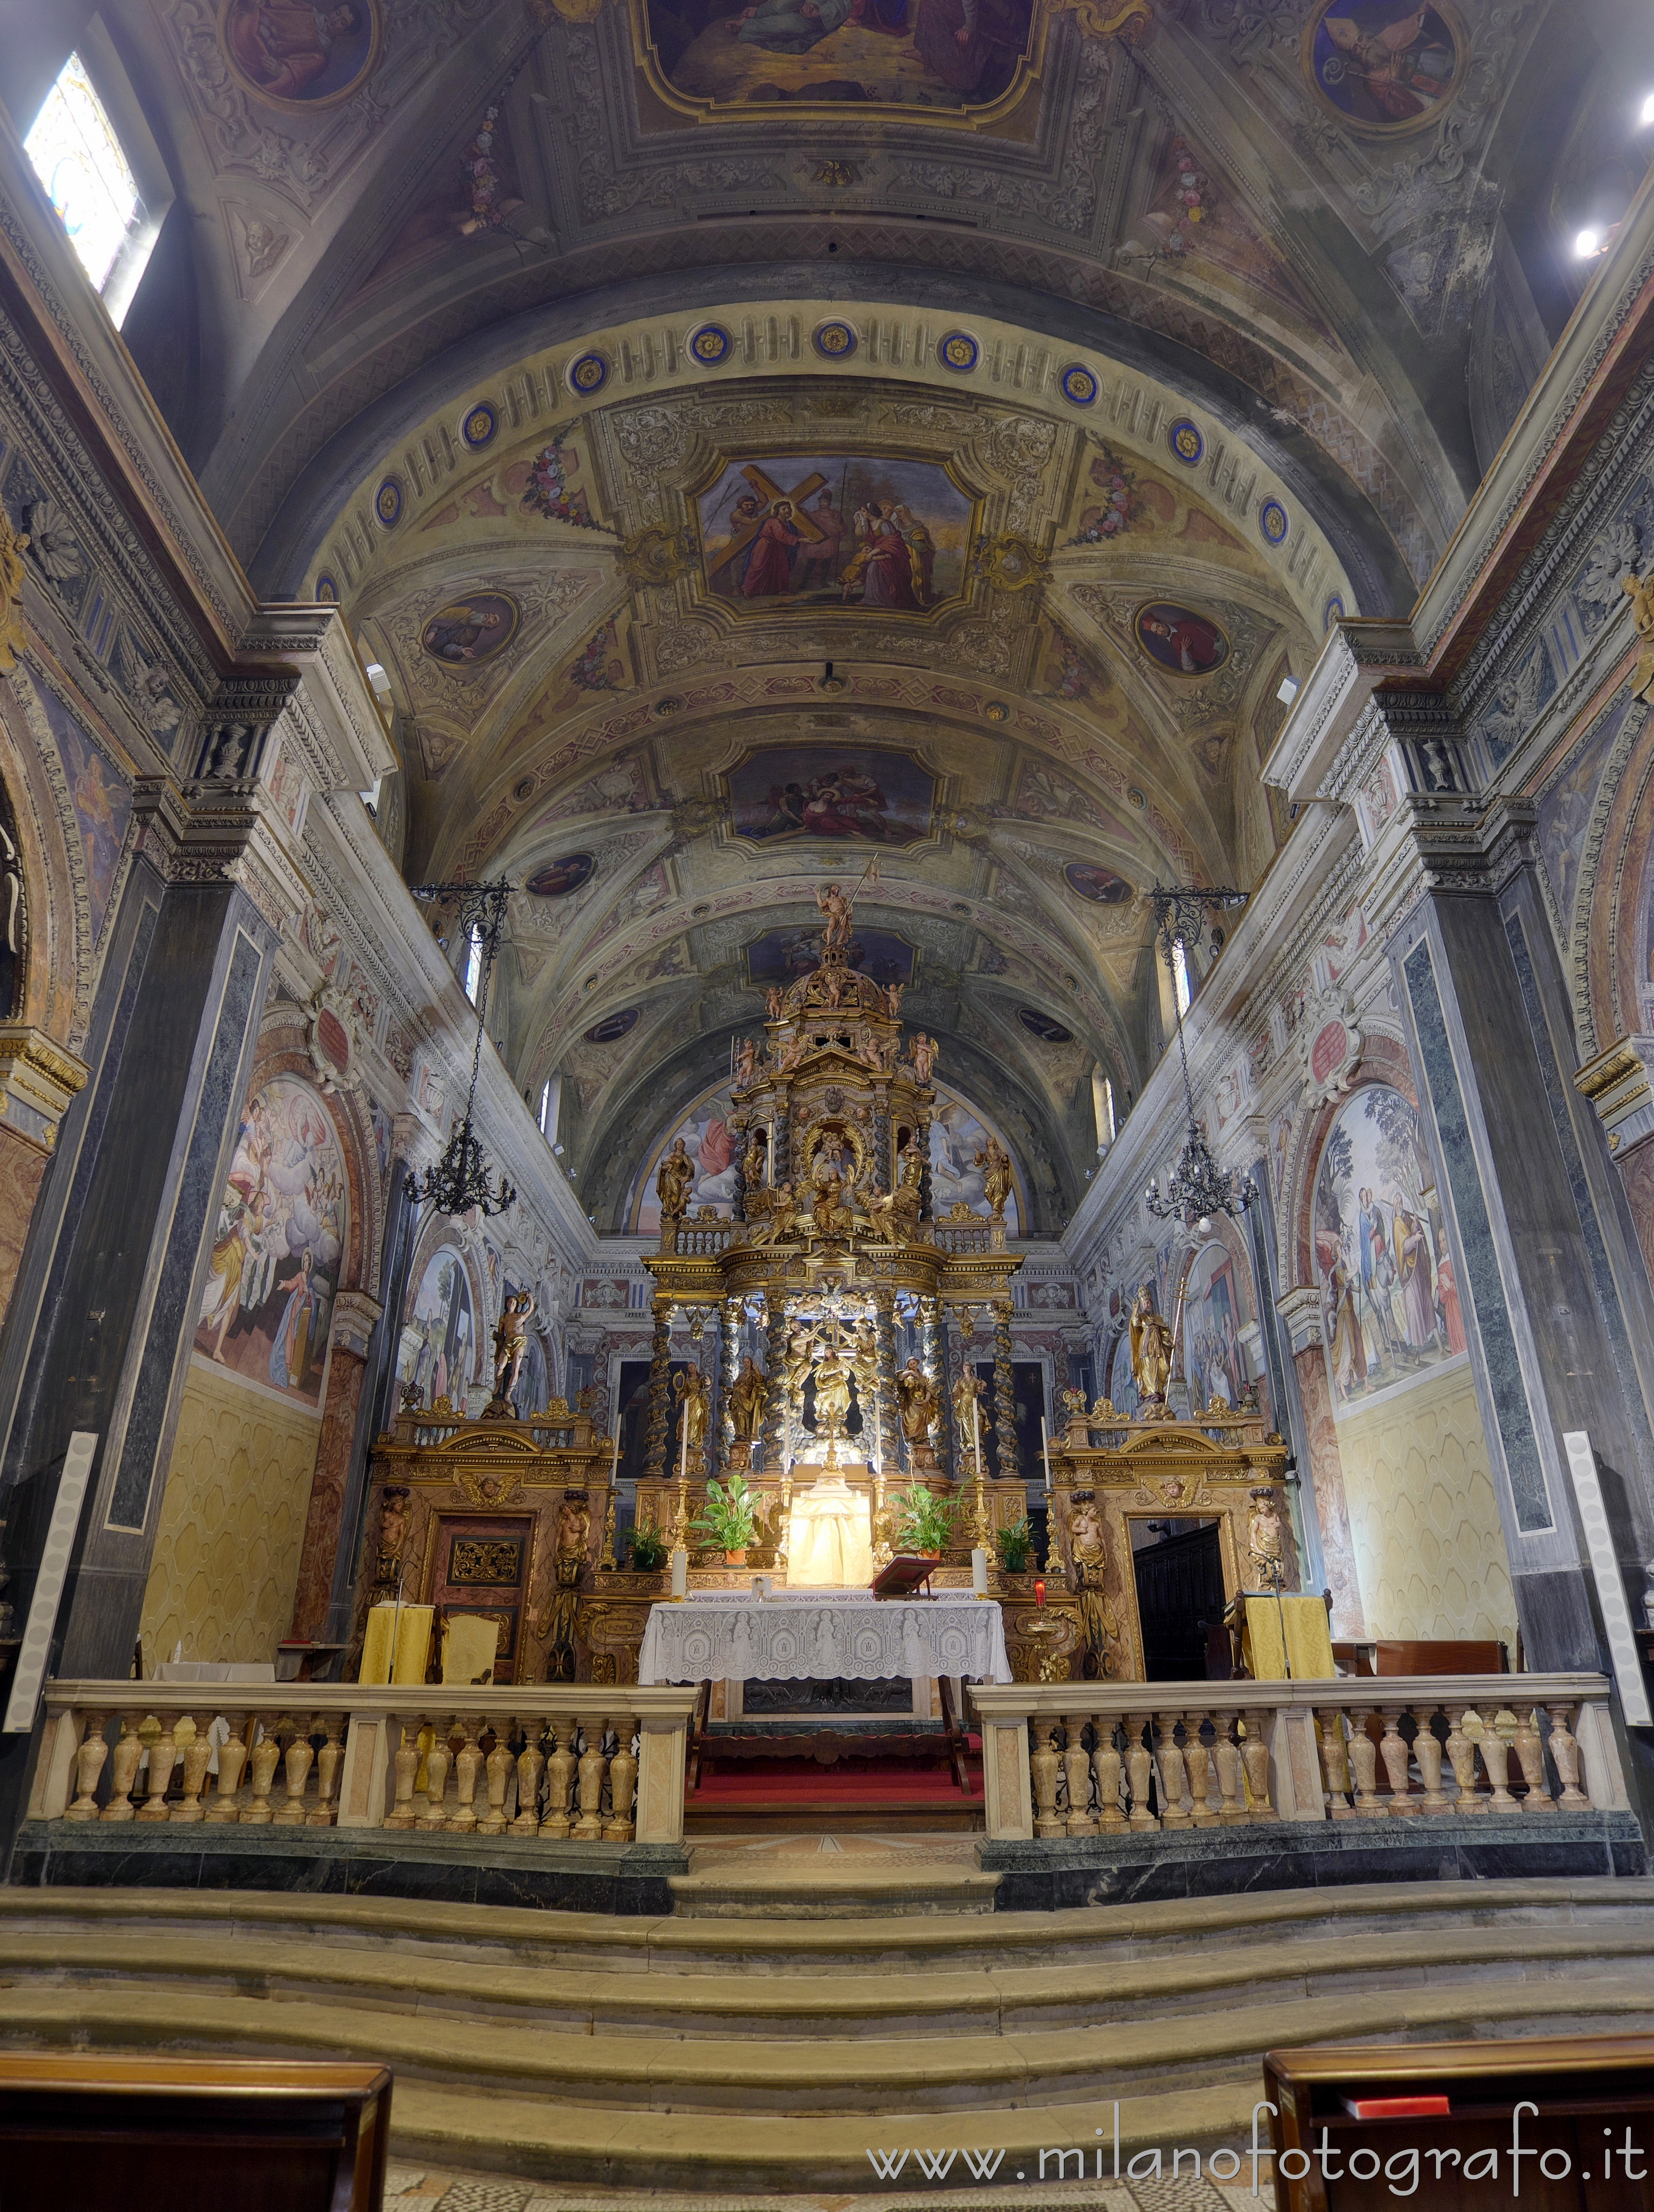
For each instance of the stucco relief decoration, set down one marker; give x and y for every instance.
(14, 544)
(1329, 1045)
(331, 1039)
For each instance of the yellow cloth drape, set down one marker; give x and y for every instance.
(1307, 1650)
(413, 1644)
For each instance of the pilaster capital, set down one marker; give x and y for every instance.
(355, 1315)
(413, 1143)
(39, 1079)
(1620, 1085)
(1300, 1309)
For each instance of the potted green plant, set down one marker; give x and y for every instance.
(649, 1552)
(728, 1517)
(1015, 1547)
(924, 1522)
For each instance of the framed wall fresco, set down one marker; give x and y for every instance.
(439, 1330)
(1384, 69)
(283, 1220)
(957, 1135)
(860, 793)
(558, 878)
(467, 632)
(913, 54)
(807, 531)
(300, 55)
(706, 1133)
(1217, 1308)
(1177, 639)
(1389, 1300)
(1099, 886)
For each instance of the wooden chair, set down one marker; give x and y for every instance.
(108, 2132)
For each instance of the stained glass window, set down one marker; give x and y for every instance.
(78, 158)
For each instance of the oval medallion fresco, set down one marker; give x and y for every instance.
(466, 632)
(300, 57)
(1179, 640)
(613, 1027)
(1100, 885)
(560, 876)
(1381, 70)
(1046, 1027)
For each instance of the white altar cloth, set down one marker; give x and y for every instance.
(729, 1635)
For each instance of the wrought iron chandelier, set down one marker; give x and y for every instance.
(1197, 1188)
(460, 1180)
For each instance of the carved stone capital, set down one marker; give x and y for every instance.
(354, 1315)
(1620, 1085)
(1300, 1309)
(38, 1079)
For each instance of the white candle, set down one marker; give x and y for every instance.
(1045, 1450)
(979, 1571)
(683, 1456)
(975, 1436)
(679, 1575)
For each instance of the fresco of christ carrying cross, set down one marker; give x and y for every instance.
(768, 526)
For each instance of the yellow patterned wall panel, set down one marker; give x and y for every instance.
(232, 1521)
(1424, 1520)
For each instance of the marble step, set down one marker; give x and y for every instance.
(1007, 2002)
(914, 1887)
(686, 1947)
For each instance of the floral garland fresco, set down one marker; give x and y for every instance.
(1120, 507)
(548, 492)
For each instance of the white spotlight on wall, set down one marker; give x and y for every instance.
(1588, 243)
(1647, 115)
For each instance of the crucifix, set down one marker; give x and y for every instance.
(769, 491)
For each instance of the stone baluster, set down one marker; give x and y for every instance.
(467, 1766)
(499, 1764)
(223, 1811)
(1364, 1760)
(266, 1752)
(1495, 1759)
(560, 1770)
(402, 1814)
(123, 1769)
(198, 1750)
(1394, 1752)
(163, 1752)
(1140, 1767)
(1109, 1768)
(1428, 1752)
(330, 1728)
(1043, 1767)
(88, 1766)
(1255, 1757)
(1169, 1765)
(1197, 1759)
(530, 1765)
(1226, 1757)
(621, 1826)
(1530, 1751)
(297, 1761)
(1462, 1757)
(1336, 1762)
(594, 1766)
(1565, 1755)
(438, 1760)
(1077, 1767)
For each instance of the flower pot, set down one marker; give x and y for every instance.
(737, 1559)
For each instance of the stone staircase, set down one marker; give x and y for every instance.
(769, 2054)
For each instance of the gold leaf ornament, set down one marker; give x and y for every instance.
(14, 544)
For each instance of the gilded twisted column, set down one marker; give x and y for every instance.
(730, 1367)
(781, 1140)
(1005, 1397)
(890, 1428)
(774, 1404)
(659, 1389)
(925, 1206)
(737, 1139)
(932, 1357)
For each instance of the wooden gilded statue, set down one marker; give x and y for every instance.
(1151, 1348)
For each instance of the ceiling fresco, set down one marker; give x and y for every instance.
(758, 437)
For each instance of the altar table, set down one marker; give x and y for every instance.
(729, 1635)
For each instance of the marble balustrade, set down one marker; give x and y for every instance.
(1087, 1758)
(567, 1765)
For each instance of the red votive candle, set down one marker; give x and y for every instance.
(1039, 1591)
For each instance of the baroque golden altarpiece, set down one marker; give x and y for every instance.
(831, 1258)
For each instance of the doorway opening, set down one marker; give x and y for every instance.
(1179, 1569)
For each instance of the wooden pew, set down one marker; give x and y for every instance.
(103, 2131)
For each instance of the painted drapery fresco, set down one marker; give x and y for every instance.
(957, 1135)
(705, 1132)
(439, 1331)
(834, 530)
(282, 1226)
(1389, 1299)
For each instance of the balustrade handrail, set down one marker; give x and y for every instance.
(1003, 1702)
(501, 1700)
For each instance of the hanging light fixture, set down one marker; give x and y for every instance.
(460, 1181)
(1197, 1188)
